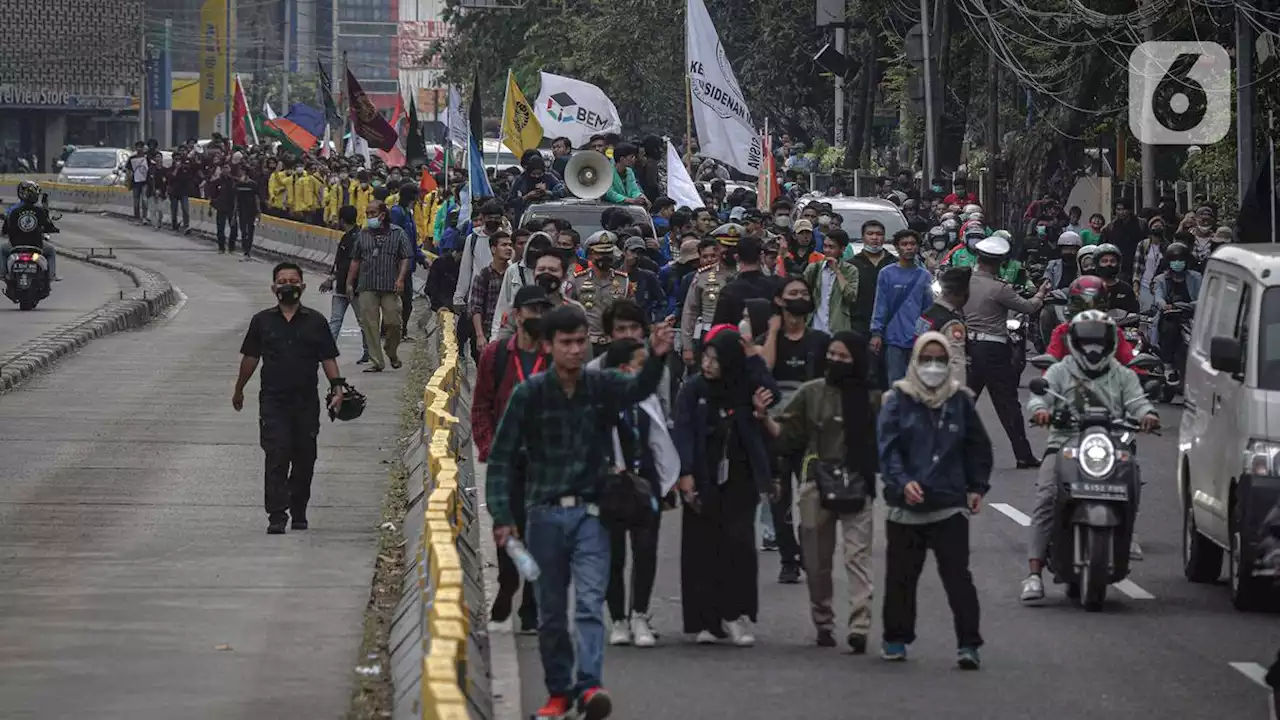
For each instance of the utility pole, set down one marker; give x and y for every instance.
(229, 84)
(993, 136)
(144, 94)
(930, 156)
(288, 59)
(1149, 198)
(1246, 94)
(839, 77)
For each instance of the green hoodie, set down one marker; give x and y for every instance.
(1118, 389)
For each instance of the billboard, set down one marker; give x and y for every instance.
(213, 68)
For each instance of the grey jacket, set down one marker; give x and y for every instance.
(1118, 389)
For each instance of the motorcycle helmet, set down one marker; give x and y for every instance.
(1092, 339)
(352, 407)
(1107, 249)
(29, 191)
(972, 208)
(1002, 234)
(973, 236)
(950, 225)
(1070, 239)
(1085, 263)
(1086, 293)
(976, 217)
(938, 237)
(948, 216)
(994, 249)
(1176, 257)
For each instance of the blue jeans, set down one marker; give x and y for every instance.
(569, 544)
(338, 312)
(896, 360)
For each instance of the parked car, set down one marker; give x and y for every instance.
(1228, 476)
(94, 166)
(584, 215)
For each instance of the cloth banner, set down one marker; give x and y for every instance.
(574, 109)
(724, 127)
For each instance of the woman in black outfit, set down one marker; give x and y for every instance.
(724, 470)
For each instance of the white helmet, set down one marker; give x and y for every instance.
(949, 224)
(972, 208)
(976, 216)
(1070, 239)
(992, 248)
(947, 216)
(1002, 234)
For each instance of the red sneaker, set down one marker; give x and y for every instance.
(595, 704)
(557, 706)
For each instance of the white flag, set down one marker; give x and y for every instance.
(724, 124)
(574, 109)
(267, 112)
(456, 120)
(680, 186)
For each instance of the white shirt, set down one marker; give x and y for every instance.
(140, 168)
(822, 313)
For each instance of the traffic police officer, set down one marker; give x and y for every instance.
(292, 341)
(704, 290)
(946, 316)
(598, 285)
(986, 314)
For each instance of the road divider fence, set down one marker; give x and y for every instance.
(439, 647)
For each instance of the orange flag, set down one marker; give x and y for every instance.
(427, 183)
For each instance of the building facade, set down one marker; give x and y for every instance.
(70, 72)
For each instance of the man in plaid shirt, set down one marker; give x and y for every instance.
(482, 302)
(561, 420)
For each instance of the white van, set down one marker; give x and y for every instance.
(1229, 441)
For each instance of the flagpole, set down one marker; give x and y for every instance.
(688, 122)
(506, 97)
(341, 145)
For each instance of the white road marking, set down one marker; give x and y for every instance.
(1012, 513)
(1128, 587)
(1253, 671)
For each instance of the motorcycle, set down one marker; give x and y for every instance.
(1053, 314)
(1184, 314)
(26, 279)
(1136, 329)
(1097, 501)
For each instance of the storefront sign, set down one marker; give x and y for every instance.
(11, 95)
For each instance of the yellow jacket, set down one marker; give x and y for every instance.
(279, 189)
(332, 201)
(424, 216)
(306, 194)
(361, 197)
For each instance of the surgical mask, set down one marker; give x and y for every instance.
(940, 244)
(799, 306)
(1178, 266)
(933, 373)
(342, 176)
(374, 223)
(875, 248)
(936, 188)
(532, 326)
(838, 372)
(1108, 271)
(824, 220)
(549, 283)
(288, 294)
(783, 222)
(1041, 229)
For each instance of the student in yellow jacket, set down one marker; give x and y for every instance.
(279, 190)
(361, 196)
(306, 197)
(424, 216)
(332, 201)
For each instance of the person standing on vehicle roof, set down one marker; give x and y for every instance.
(991, 358)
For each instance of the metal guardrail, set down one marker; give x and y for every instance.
(439, 649)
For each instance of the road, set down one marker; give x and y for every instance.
(1162, 648)
(136, 578)
(84, 288)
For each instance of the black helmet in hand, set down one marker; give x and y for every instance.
(353, 402)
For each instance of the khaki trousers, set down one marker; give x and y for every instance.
(818, 540)
(379, 309)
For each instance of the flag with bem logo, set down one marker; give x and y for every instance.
(520, 128)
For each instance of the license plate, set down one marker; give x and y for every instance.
(24, 267)
(1099, 491)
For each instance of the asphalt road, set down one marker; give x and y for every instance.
(84, 288)
(136, 578)
(1162, 648)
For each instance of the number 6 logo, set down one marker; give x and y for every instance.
(1179, 93)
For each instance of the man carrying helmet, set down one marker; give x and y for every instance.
(1062, 272)
(991, 359)
(1178, 284)
(25, 224)
(1091, 375)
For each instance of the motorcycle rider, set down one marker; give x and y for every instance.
(25, 224)
(1091, 375)
(963, 255)
(1120, 294)
(1086, 262)
(933, 253)
(1063, 271)
(1177, 284)
(1086, 293)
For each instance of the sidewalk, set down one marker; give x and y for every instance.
(136, 578)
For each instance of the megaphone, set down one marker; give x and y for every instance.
(588, 175)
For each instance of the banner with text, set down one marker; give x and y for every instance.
(213, 68)
(724, 127)
(574, 109)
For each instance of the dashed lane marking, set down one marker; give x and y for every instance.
(1253, 671)
(1128, 587)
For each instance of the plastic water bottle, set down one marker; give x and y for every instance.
(520, 555)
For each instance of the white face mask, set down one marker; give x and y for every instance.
(933, 373)
(824, 220)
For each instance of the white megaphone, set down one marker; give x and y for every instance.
(588, 175)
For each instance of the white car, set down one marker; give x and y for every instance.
(94, 166)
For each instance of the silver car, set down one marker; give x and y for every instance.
(95, 166)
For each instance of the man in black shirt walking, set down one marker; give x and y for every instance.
(751, 283)
(291, 340)
(344, 296)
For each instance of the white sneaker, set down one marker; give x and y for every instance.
(706, 638)
(739, 632)
(641, 633)
(1032, 589)
(620, 634)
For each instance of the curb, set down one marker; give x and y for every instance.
(153, 295)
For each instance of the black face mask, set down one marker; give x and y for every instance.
(492, 226)
(549, 283)
(288, 294)
(604, 262)
(799, 306)
(838, 372)
(533, 326)
(1107, 271)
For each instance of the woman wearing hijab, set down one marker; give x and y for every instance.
(833, 420)
(724, 470)
(936, 460)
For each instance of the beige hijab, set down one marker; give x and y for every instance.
(923, 394)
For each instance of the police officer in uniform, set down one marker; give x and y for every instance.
(991, 362)
(598, 285)
(705, 289)
(947, 317)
